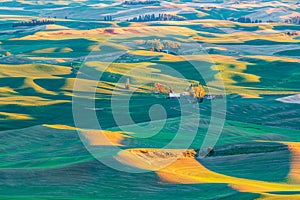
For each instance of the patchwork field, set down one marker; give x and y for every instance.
(82, 91)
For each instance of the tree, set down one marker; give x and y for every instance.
(127, 84)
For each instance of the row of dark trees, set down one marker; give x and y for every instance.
(293, 20)
(147, 2)
(243, 19)
(34, 22)
(153, 17)
(248, 20)
(108, 18)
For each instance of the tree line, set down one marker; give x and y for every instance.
(248, 20)
(34, 22)
(243, 19)
(153, 17)
(147, 2)
(293, 20)
(108, 18)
